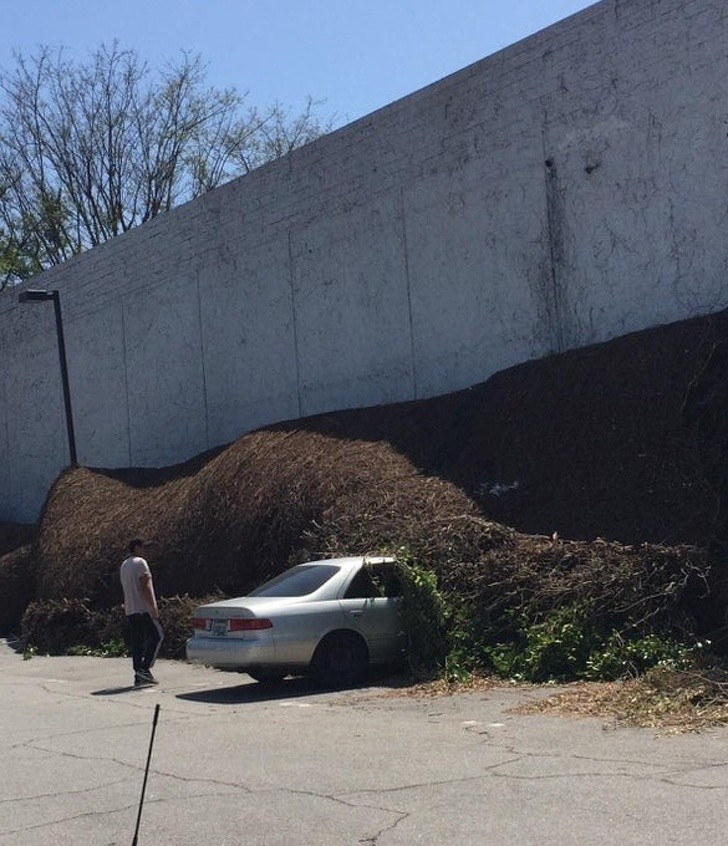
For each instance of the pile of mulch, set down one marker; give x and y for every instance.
(17, 572)
(625, 440)
(276, 498)
(672, 700)
(601, 471)
(15, 535)
(17, 587)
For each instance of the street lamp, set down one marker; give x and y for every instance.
(35, 295)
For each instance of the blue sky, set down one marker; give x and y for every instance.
(357, 55)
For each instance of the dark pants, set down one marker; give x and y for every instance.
(145, 638)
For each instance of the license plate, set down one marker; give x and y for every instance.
(219, 627)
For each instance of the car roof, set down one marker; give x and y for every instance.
(351, 560)
(347, 565)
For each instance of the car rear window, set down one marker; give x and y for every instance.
(299, 581)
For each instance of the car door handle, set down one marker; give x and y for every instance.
(355, 613)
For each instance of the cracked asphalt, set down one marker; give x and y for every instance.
(235, 763)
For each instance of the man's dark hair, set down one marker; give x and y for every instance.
(135, 544)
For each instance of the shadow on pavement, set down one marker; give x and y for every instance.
(257, 692)
(112, 691)
(288, 688)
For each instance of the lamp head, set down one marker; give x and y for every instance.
(35, 295)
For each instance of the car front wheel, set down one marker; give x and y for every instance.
(340, 660)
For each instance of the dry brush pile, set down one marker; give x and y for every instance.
(275, 498)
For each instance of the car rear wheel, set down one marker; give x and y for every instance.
(266, 676)
(340, 659)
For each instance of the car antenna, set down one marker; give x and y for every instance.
(146, 773)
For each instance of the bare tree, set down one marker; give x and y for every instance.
(88, 151)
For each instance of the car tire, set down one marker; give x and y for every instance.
(266, 676)
(340, 660)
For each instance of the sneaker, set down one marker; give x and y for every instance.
(145, 677)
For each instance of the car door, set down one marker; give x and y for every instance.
(375, 615)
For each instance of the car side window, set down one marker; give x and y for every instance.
(362, 587)
(392, 584)
(386, 577)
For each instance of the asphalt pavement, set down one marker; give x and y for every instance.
(236, 763)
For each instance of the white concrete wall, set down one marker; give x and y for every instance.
(566, 190)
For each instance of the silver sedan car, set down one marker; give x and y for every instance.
(333, 618)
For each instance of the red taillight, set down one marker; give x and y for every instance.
(201, 623)
(248, 624)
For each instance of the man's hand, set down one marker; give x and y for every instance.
(145, 582)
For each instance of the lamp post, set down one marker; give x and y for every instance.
(35, 295)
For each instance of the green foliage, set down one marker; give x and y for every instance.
(90, 149)
(109, 649)
(51, 627)
(73, 627)
(618, 658)
(452, 638)
(17, 258)
(466, 642)
(567, 645)
(443, 637)
(555, 649)
(425, 615)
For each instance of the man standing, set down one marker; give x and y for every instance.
(142, 615)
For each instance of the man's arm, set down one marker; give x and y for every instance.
(145, 583)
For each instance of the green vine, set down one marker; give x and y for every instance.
(453, 639)
(425, 615)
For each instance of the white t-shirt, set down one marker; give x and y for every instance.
(131, 570)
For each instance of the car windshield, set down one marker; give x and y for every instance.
(299, 581)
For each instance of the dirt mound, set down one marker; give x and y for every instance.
(17, 573)
(17, 587)
(15, 535)
(625, 441)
